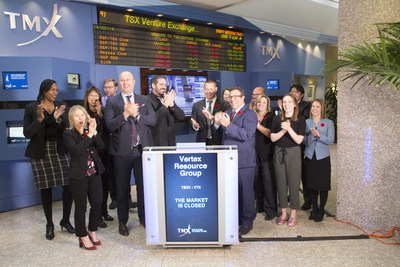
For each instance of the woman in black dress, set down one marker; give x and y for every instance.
(264, 182)
(86, 168)
(320, 133)
(44, 123)
(93, 106)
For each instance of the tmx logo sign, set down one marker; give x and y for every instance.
(270, 51)
(36, 23)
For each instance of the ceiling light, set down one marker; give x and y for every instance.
(186, 19)
(262, 32)
(209, 23)
(160, 15)
(129, 9)
(230, 27)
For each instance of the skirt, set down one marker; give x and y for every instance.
(317, 173)
(52, 170)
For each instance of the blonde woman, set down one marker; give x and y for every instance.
(320, 133)
(264, 181)
(82, 142)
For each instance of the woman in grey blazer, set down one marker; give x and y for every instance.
(317, 164)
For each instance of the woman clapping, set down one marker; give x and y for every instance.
(86, 168)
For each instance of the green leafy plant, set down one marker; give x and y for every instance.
(331, 104)
(379, 61)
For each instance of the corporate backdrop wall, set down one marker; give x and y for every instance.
(51, 38)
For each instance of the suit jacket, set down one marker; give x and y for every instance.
(304, 108)
(319, 145)
(197, 115)
(77, 148)
(121, 129)
(35, 131)
(164, 131)
(241, 132)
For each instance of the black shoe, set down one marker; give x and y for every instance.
(312, 216)
(269, 217)
(50, 232)
(123, 230)
(318, 218)
(102, 224)
(259, 209)
(68, 226)
(108, 218)
(142, 221)
(306, 206)
(245, 229)
(132, 205)
(113, 205)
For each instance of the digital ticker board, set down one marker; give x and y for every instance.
(138, 40)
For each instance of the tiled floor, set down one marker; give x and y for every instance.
(22, 243)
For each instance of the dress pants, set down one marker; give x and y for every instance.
(268, 200)
(287, 166)
(247, 210)
(123, 168)
(82, 189)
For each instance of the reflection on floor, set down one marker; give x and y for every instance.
(22, 243)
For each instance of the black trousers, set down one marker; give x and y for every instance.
(123, 168)
(82, 189)
(265, 188)
(107, 180)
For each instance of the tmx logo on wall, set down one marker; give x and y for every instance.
(35, 22)
(270, 51)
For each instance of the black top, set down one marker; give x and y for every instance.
(286, 140)
(36, 132)
(50, 130)
(264, 145)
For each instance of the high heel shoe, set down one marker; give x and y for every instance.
(68, 226)
(81, 244)
(50, 232)
(97, 243)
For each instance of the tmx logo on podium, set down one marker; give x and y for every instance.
(26, 21)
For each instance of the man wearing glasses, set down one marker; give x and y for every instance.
(110, 88)
(238, 126)
(256, 93)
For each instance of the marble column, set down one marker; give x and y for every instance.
(368, 151)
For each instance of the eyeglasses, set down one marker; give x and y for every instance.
(256, 94)
(109, 87)
(235, 96)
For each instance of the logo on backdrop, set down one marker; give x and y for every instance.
(270, 52)
(35, 23)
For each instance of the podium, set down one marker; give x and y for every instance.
(191, 195)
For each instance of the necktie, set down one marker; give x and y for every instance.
(233, 115)
(209, 135)
(133, 123)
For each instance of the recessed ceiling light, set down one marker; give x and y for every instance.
(283, 36)
(186, 19)
(160, 15)
(129, 9)
(262, 32)
(209, 23)
(230, 27)
(273, 34)
(169, 69)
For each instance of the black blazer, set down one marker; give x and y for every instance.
(76, 146)
(35, 131)
(164, 130)
(197, 115)
(121, 129)
(304, 109)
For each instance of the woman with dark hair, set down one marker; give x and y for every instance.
(82, 143)
(320, 133)
(44, 123)
(93, 106)
(226, 95)
(287, 132)
(264, 180)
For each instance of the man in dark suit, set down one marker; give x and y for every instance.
(304, 109)
(238, 127)
(212, 104)
(166, 112)
(170, 86)
(129, 117)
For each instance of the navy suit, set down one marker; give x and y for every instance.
(125, 155)
(197, 115)
(241, 132)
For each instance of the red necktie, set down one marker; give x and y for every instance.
(233, 115)
(133, 123)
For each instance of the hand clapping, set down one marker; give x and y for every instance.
(314, 133)
(285, 125)
(92, 127)
(59, 111)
